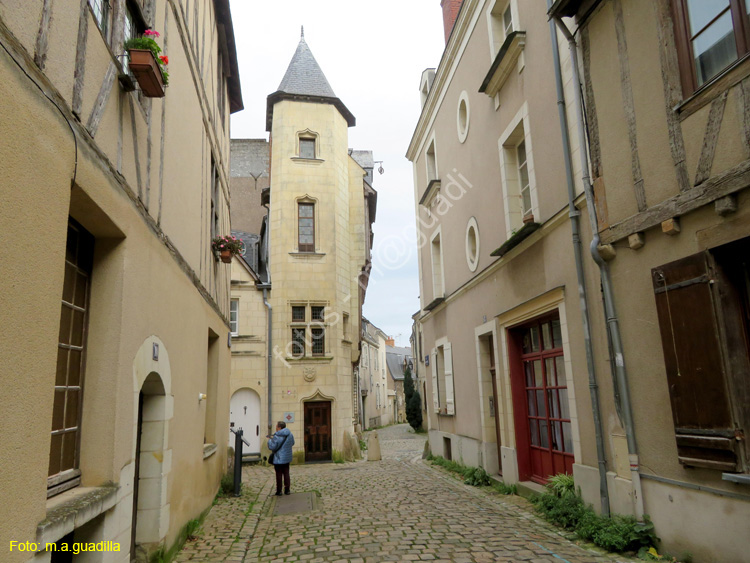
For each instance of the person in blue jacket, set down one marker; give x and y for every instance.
(281, 445)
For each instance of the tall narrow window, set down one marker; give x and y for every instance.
(66, 414)
(101, 10)
(212, 387)
(500, 18)
(306, 148)
(438, 287)
(431, 162)
(234, 312)
(214, 200)
(306, 227)
(220, 86)
(318, 341)
(523, 179)
(298, 342)
(507, 21)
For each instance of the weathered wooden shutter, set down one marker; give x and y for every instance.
(450, 407)
(435, 388)
(686, 304)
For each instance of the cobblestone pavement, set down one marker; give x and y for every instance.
(397, 509)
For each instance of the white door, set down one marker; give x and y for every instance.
(244, 412)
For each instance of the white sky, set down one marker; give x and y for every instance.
(373, 54)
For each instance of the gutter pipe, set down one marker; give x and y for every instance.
(575, 215)
(616, 348)
(269, 354)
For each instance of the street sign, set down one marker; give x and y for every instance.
(288, 417)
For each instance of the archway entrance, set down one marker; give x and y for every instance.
(244, 412)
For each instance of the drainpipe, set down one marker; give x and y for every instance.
(269, 354)
(575, 216)
(616, 349)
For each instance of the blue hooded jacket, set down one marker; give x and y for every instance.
(284, 453)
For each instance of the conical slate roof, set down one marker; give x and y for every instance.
(304, 75)
(304, 81)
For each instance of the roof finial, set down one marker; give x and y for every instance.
(302, 36)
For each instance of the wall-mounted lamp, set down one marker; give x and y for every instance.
(381, 170)
(202, 397)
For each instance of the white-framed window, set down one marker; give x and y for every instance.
(442, 378)
(234, 315)
(463, 116)
(431, 161)
(502, 20)
(472, 244)
(517, 173)
(436, 254)
(102, 10)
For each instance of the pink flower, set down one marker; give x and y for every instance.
(151, 32)
(221, 246)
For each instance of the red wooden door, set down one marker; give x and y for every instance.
(318, 431)
(540, 396)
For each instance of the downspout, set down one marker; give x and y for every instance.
(616, 349)
(575, 215)
(269, 354)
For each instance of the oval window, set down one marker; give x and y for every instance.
(463, 116)
(472, 244)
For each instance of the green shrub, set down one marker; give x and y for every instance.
(504, 489)
(477, 477)
(617, 533)
(562, 485)
(192, 528)
(337, 457)
(227, 485)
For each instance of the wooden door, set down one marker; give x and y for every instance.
(495, 406)
(318, 431)
(540, 401)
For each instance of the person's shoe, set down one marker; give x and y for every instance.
(278, 493)
(287, 492)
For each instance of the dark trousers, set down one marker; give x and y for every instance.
(282, 470)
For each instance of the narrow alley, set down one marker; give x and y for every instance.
(397, 509)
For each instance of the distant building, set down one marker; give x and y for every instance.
(398, 359)
(372, 378)
(249, 165)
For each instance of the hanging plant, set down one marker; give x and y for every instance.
(227, 246)
(147, 63)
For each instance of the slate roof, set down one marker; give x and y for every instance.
(304, 80)
(304, 75)
(394, 359)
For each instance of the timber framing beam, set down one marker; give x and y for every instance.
(727, 183)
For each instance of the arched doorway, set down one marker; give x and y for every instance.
(244, 412)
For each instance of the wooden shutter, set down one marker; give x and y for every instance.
(435, 388)
(687, 307)
(450, 407)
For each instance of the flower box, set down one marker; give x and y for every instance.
(146, 69)
(226, 256)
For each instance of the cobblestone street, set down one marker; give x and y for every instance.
(397, 509)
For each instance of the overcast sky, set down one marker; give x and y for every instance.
(373, 54)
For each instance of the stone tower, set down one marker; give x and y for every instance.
(321, 209)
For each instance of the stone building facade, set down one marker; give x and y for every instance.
(118, 366)
(372, 378)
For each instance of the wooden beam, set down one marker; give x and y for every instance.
(670, 76)
(591, 118)
(101, 100)
(710, 138)
(743, 96)
(40, 51)
(728, 182)
(80, 65)
(136, 156)
(629, 105)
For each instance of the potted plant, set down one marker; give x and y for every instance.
(147, 65)
(227, 246)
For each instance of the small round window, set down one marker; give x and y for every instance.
(472, 244)
(463, 116)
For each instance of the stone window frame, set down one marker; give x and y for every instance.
(309, 328)
(463, 117)
(234, 311)
(472, 260)
(307, 200)
(496, 28)
(308, 135)
(438, 281)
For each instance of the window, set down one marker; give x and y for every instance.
(298, 342)
(431, 162)
(500, 19)
(234, 310)
(212, 388)
(710, 36)
(306, 148)
(220, 88)
(472, 244)
(133, 26)
(318, 313)
(101, 10)
(438, 287)
(442, 379)
(704, 320)
(306, 227)
(298, 314)
(346, 326)
(462, 116)
(523, 178)
(214, 200)
(318, 341)
(71, 348)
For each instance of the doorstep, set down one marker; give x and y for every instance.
(530, 489)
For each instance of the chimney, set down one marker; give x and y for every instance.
(390, 342)
(450, 13)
